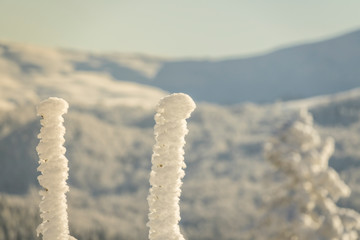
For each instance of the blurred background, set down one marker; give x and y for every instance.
(249, 65)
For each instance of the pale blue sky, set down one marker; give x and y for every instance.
(184, 28)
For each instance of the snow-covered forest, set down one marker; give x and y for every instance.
(248, 164)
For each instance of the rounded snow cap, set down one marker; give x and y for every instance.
(176, 106)
(52, 105)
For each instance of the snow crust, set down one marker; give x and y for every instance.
(54, 170)
(167, 166)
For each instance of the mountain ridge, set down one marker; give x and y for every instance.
(328, 66)
(301, 71)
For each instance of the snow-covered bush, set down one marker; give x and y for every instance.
(167, 166)
(304, 208)
(54, 170)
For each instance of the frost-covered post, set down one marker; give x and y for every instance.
(167, 166)
(54, 170)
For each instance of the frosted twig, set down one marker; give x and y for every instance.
(54, 170)
(167, 166)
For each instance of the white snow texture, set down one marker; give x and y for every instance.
(305, 206)
(167, 166)
(54, 170)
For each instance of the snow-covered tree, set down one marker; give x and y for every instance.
(167, 166)
(54, 170)
(304, 207)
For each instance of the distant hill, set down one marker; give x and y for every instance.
(296, 72)
(302, 71)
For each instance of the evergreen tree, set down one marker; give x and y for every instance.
(304, 208)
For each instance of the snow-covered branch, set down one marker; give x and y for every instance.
(167, 166)
(54, 170)
(305, 207)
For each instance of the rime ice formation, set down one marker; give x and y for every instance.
(54, 170)
(167, 166)
(305, 206)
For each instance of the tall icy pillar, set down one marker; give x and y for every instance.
(167, 166)
(54, 170)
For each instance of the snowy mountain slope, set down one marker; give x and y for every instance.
(32, 73)
(328, 66)
(296, 72)
(109, 150)
(109, 141)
